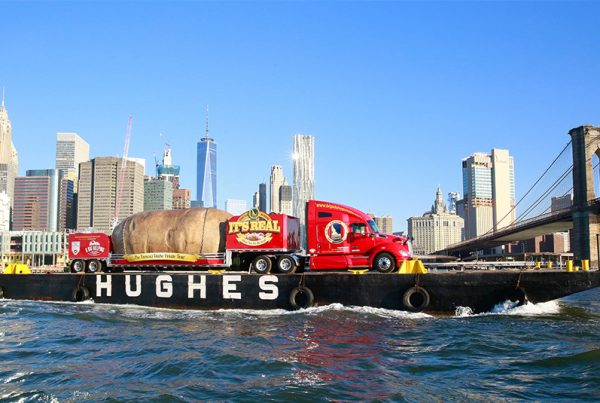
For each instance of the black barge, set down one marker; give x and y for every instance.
(433, 292)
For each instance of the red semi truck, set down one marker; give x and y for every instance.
(338, 237)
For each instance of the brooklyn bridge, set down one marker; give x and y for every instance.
(537, 217)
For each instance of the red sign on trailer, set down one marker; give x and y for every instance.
(255, 230)
(89, 246)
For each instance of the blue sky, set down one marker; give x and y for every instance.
(395, 93)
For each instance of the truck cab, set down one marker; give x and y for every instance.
(342, 237)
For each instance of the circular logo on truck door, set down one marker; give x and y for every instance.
(336, 231)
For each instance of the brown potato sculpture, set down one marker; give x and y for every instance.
(194, 231)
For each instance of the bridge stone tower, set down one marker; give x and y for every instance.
(586, 223)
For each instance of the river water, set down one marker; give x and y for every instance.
(69, 352)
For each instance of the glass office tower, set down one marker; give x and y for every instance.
(207, 173)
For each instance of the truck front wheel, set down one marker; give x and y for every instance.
(384, 263)
(261, 264)
(286, 264)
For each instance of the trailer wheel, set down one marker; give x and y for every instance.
(384, 263)
(261, 264)
(286, 264)
(94, 266)
(416, 299)
(77, 266)
(80, 294)
(302, 297)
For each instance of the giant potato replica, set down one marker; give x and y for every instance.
(193, 231)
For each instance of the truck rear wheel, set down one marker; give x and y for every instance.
(286, 264)
(77, 266)
(261, 264)
(384, 263)
(94, 266)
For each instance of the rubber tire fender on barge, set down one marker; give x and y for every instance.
(519, 295)
(81, 293)
(425, 299)
(307, 301)
(1, 293)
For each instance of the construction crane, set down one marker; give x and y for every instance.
(122, 171)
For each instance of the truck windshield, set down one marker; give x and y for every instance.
(374, 227)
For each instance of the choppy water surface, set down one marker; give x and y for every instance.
(74, 352)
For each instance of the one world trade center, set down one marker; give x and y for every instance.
(206, 186)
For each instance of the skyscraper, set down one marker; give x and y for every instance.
(71, 150)
(488, 192)
(256, 200)
(99, 188)
(37, 200)
(262, 194)
(304, 173)
(4, 212)
(207, 171)
(9, 159)
(285, 199)
(167, 171)
(158, 195)
(66, 205)
(277, 179)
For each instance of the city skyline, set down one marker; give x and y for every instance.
(426, 86)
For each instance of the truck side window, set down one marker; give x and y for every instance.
(323, 214)
(359, 229)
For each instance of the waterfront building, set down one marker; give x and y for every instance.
(285, 199)
(235, 206)
(9, 158)
(277, 180)
(36, 204)
(35, 248)
(488, 192)
(561, 202)
(262, 200)
(158, 194)
(100, 192)
(207, 171)
(182, 199)
(555, 243)
(436, 229)
(303, 155)
(71, 150)
(384, 223)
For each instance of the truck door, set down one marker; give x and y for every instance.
(331, 249)
(361, 241)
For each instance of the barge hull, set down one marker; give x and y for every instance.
(446, 291)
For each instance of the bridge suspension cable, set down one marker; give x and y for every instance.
(540, 199)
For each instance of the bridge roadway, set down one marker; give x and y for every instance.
(556, 221)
